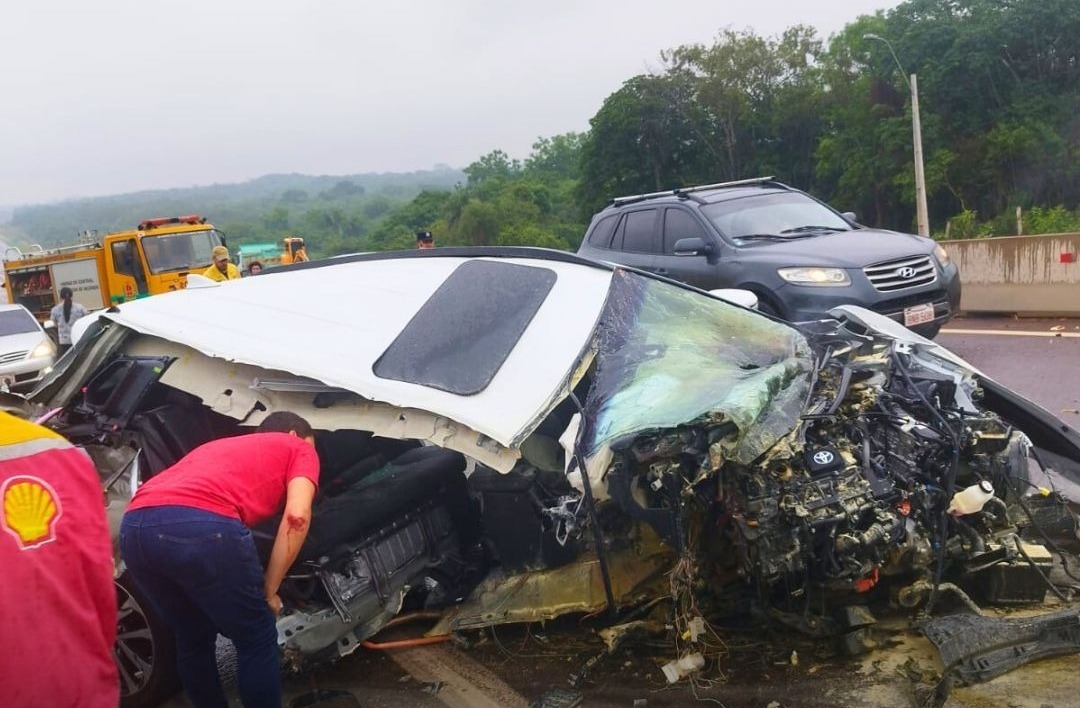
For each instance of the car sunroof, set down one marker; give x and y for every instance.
(465, 331)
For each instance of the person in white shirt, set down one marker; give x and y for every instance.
(64, 315)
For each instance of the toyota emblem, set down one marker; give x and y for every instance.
(906, 272)
(823, 458)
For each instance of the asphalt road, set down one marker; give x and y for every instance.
(1039, 359)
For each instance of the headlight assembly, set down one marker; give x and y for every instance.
(942, 255)
(44, 349)
(827, 277)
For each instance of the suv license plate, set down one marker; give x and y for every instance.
(919, 314)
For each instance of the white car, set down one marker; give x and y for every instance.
(26, 351)
(509, 435)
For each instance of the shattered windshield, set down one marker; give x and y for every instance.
(184, 251)
(668, 356)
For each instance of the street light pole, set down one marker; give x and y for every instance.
(922, 216)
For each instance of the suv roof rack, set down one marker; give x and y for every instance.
(617, 201)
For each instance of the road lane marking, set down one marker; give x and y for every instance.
(1012, 333)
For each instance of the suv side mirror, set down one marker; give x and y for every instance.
(693, 247)
(850, 216)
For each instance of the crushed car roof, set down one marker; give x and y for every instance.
(340, 324)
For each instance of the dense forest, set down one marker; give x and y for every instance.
(999, 93)
(338, 211)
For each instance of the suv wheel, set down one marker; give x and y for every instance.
(144, 652)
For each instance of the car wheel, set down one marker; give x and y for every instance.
(144, 652)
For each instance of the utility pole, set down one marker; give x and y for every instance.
(922, 216)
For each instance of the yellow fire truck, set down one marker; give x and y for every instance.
(154, 258)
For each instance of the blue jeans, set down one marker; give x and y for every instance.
(202, 574)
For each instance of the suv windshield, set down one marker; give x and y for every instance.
(781, 213)
(184, 251)
(17, 322)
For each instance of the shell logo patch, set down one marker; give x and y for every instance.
(31, 509)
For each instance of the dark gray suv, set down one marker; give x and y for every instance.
(798, 255)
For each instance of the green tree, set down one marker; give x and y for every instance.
(377, 206)
(496, 165)
(643, 138)
(277, 220)
(479, 224)
(557, 158)
(342, 190)
(294, 196)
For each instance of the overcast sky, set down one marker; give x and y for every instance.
(109, 96)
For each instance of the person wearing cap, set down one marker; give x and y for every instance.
(424, 240)
(221, 269)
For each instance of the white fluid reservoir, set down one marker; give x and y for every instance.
(971, 499)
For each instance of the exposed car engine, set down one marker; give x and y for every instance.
(897, 471)
(881, 462)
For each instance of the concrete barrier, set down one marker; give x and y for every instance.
(1027, 275)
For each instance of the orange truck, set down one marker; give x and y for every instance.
(154, 258)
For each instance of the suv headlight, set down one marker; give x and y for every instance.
(942, 255)
(829, 277)
(44, 349)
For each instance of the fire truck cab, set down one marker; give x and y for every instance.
(156, 257)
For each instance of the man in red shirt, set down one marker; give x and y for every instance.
(186, 541)
(57, 598)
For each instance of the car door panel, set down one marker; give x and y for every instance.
(702, 271)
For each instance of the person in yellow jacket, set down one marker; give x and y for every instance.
(57, 598)
(221, 269)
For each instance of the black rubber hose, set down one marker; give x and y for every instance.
(950, 480)
(973, 537)
(1038, 527)
(1053, 588)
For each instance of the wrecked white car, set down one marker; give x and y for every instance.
(514, 434)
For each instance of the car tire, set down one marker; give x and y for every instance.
(144, 651)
